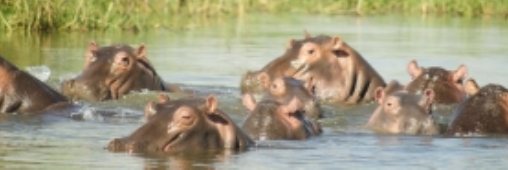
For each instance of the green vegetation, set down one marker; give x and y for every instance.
(50, 15)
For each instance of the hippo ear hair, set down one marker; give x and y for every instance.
(290, 44)
(93, 46)
(460, 73)
(307, 35)
(379, 94)
(211, 104)
(337, 42)
(471, 87)
(427, 99)
(264, 79)
(163, 98)
(413, 69)
(141, 51)
(249, 102)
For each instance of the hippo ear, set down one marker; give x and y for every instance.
(163, 98)
(307, 35)
(264, 79)
(150, 110)
(211, 104)
(92, 47)
(427, 99)
(379, 94)
(249, 102)
(336, 43)
(141, 51)
(413, 69)
(471, 87)
(460, 74)
(290, 44)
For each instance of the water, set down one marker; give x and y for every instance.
(211, 59)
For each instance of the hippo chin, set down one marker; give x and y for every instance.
(22, 93)
(183, 125)
(113, 71)
(403, 112)
(271, 120)
(447, 85)
(484, 112)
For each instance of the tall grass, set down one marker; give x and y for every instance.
(51, 15)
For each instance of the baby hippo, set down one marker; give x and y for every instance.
(402, 112)
(272, 120)
(446, 84)
(484, 112)
(190, 125)
(283, 89)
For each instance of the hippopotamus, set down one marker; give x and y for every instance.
(484, 112)
(251, 81)
(336, 72)
(22, 93)
(447, 85)
(403, 112)
(283, 89)
(113, 71)
(188, 124)
(272, 120)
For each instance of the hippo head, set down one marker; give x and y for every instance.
(270, 119)
(20, 92)
(190, 124)
(284, 89)
(112, 71)
(484, 112)
(447, 85)
(337, 73)
(402, 112)
(279, 67)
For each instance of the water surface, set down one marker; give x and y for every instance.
(212, 59)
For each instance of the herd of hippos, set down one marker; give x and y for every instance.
(284, 98)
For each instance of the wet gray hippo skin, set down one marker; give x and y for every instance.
(191, 124)
(113, 71)
(447, 85)
(402, 112)
(279, 67)
(336, 72)
(271, 120)
(22, 93)
(484, 112)
(284, 89)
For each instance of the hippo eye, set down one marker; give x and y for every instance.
(274, 86)
(389, 104)
(311, 51)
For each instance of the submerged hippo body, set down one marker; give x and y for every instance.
(21, 92)
(113, 71)
(447, 85)
(484, 112)
(271, 120)
(191, 124)
(402, 112)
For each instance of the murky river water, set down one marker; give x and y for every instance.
(211, 59)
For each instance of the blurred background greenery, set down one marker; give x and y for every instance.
(139, 15)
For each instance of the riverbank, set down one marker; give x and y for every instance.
(84, 15)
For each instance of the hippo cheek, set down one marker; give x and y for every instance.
(76, 90)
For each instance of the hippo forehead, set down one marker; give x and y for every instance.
(405, 97)
(491, 91)
(435, 73)
(110, 51)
